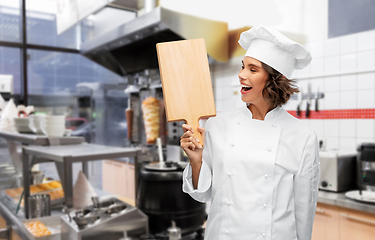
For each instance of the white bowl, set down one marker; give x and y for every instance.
(35, 122)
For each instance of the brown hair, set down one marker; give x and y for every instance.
(278, 88)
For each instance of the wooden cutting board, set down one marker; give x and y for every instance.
(186, 82)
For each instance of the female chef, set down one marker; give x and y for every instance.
(259, 165)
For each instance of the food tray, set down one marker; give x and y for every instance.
(52, 223)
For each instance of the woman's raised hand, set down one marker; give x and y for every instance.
(190, 144)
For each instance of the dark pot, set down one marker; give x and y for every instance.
(160, 196)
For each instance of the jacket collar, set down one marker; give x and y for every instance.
(270, 116)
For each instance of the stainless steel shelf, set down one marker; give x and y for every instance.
(339, 199)
(80, 152)
(65, 156)
(32, 139)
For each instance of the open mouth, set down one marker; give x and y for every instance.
(245, 88)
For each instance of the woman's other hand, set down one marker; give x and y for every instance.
(190, 144)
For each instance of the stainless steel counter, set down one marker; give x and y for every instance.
(16, 221)
(339, 199)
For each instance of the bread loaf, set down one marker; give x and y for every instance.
(151, 118)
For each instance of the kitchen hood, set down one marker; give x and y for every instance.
(131, 47)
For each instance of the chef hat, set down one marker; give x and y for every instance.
(274, 49)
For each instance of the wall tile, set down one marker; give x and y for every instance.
(317, 66)
(348, 99)
(291, 105)
(331, 128)
(318, 126)
(332, 100)
(366, 40)
(348, 82)
(305, 72)
(222, 92)
(366, 80)
(317, 49)
(332, 143)
(348, 62)
(332, 64)
(348, 145)
(347, 128)
(366, 98)
(219, 105)
(348, 44)
(331, 84)
(366, 60)
(332, 47)
(365, 128)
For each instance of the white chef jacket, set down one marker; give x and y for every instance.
(260, 176)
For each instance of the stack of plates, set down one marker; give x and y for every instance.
(22, 124)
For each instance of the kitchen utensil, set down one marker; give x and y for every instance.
(317, 100)
(129, 121)
(39, 205)
(299, 102)
(160, 150)
(186, 82)
(95, 201)
(36, 177)
(308, 102)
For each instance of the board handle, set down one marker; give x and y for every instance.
(195, 124)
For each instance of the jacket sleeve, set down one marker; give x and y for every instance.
(306, 183)
(203, 191)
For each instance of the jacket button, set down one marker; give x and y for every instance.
(232, 145)
(264, 205)
(238, 123)
(229, 174)
(269, 149)
(227, 231)
(265, 175)
(263, 235)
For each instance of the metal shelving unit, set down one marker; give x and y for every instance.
(41, 140)
(64, 156)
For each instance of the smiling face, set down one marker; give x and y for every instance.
(252, 78)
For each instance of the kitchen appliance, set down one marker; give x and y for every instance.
(105, 219)
(337, 171)
(161, 198)
(366, 166)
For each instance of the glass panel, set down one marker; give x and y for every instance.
(41, 26)
(10, 20)
(92, 112)
(10, 65)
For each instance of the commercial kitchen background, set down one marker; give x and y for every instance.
(339, 34)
